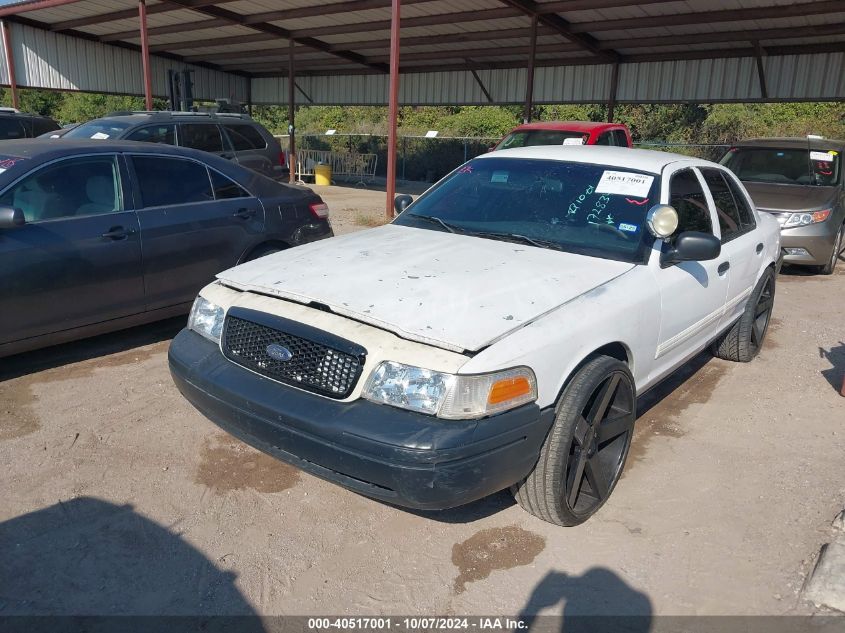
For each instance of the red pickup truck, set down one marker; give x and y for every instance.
(567, 133)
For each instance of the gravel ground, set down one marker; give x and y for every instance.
(117, 497)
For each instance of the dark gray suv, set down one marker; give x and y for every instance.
(235, 137)
(15, 124)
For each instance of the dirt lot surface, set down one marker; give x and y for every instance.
(116, 496)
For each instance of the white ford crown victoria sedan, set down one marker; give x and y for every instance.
(495, 335)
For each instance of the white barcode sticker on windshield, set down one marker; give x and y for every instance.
(625, 183)
(575, 140)
(822, 156)
(99, 135)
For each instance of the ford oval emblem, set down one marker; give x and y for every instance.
(279, 352)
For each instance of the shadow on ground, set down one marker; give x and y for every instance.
(88, 557)
(595, 602)
(89, 348)
(836, 357)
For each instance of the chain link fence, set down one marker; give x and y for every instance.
(423, 159)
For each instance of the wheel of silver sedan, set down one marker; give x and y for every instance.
(585, 451)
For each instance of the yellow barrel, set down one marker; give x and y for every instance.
(322, 174)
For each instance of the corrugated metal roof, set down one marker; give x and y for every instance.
(667, 49)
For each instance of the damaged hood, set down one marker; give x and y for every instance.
(453, 291)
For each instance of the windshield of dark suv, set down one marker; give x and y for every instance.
(579, 208)
(784, 166)
(99, 129)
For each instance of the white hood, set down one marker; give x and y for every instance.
(454, 291)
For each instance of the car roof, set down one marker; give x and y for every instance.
(792, 142)
(13, 113)
(49, 149)
(586, 127)
(640, 159)
(154, 116)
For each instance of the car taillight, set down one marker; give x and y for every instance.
(320, 210)
(283, 160)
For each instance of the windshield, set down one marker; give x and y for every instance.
(579, 208)
(528, 138)
(784, 166)
(100, 129)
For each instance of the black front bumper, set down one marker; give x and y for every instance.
(405, 458)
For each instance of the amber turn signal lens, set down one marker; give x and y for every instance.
(508, 389)
(821, 216)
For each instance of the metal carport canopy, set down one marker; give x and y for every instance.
(452, 51)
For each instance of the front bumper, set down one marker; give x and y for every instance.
(816, 239)
(401, 457)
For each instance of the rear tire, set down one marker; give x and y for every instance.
(830, 266)
(584, 453)
(742, 342)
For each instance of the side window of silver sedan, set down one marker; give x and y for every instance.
(687, 196)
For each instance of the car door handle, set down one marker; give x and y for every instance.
(117, 233)
(244, 214)
(759, 248)
(723, 268)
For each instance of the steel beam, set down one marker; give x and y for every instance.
(291, 114)
(125, 14)
(10, 63)
(145, 54)
(614, 85)
(529, 81)
(761, 73)
(712, 17)
(393, 106)
(236, 18)
(35, 5)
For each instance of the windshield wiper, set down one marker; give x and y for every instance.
(435, 220)
(516, 237)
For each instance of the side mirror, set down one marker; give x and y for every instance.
(692, 246)
(11, 218)
(401, 202)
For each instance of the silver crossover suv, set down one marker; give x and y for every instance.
(799, 181)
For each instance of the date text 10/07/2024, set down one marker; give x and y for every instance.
(417, 624)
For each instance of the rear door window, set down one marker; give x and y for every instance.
(244, 137)
(687, 197)
(604, 139)
(225, 189)
(620, 138)
(11, 128)
(165, 181)
(727, 211)
(164, 133)
(746, 215)
(42, 125)
(202, 136)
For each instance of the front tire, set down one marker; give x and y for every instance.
(830, 266)
(742, 342)
(583, 455)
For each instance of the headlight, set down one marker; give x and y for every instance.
(450, 396)
(206, 319)
(803, 219)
